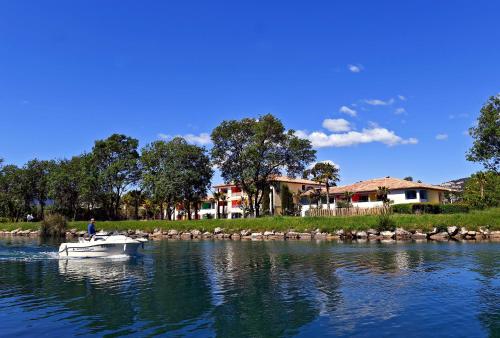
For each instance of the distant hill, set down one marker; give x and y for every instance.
(457, 184)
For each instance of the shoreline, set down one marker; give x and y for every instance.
(452, 233)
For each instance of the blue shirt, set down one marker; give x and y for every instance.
(91, 229)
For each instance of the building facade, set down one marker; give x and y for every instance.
(364, 194)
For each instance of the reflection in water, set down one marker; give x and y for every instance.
(228, 288)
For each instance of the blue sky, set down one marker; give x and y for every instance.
(380, 87)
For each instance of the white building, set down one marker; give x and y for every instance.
(365, 193)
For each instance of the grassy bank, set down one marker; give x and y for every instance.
(471, 221)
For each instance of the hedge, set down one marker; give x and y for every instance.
(429, 208)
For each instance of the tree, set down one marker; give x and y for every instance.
(348, 198)
(37, 175)
(486, 135)
(408, 178)
(324, 173)
(65, 186)
(134, 199)
(174, 172)
(218, 197)
(15, 195)
(250, 152)
(116, 160)
(482, 190)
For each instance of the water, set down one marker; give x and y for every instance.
(232, 288)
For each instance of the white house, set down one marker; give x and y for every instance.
(365, 193)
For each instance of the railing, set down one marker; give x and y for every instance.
(354, 211)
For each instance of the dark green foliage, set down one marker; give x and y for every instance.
(482, 190)
(53, 225)
(325, 173)
(386, 223)
(402, 208)
(287, 205)
(429, 208)
(454, 208)
(250, 152)
(486, 135)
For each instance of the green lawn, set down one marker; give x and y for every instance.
(471, 221)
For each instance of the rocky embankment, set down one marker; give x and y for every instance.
(450, 233)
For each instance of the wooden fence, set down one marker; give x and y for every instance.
(344, 212)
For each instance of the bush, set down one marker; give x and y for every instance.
(454, 208)
(4, 220)
(429, 208)
(385, 223)
(402, 208)
(54, 225)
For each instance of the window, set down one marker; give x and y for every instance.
(206, 205)
(411, 194)
(363, 198)
(423, 194)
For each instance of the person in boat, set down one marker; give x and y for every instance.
(91, 227)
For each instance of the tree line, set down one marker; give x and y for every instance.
(158, 178)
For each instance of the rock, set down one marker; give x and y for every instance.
(374, 237)
(207, 235)
(484, 231)
(305, 236)
(196, 233)
(292, 235)
(172, 232)
(332, 237)
(24, 232)
(361, 234)
(14, 232)
(440, 236)
(81, 233)
(418, 235)
(463, 231)
(433, 231)
(402, 233)
(268, 233)
(236, 236)
(339, 232)
(320, 236)
(495, 234)
(226, 236)
(256, 235)
(186, 235)
(387, 234)
(372, 232)
(245, 233)
(35, 233)
(471, 233)
(73, 231)
(452, 231)
(217, 230)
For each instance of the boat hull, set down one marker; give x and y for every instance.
(83, 250)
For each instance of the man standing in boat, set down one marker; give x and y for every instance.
(91, 227)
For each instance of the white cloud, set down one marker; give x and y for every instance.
(355, 68)
(401, 97)
(348, 111)
(465, 133)
(201, 139)
(441, 137)
(400, 111)
(325, 161)
(367, 135)
(336, 125)
(458, 116)
(377, 102)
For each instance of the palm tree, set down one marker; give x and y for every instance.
(325, 173)
(382, 195)
(348, 196)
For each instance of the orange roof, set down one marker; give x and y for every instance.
(277, 179)
(390, 183)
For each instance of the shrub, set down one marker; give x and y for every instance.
(402, 208)
(454, 208)
(54, 225)
(426, 208)
(4, 220)
(385, 223)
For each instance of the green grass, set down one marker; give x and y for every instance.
(471, 221)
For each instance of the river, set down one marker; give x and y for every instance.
(253, 288)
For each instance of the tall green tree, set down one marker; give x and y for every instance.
(116, 160)
(37, 174)
(482, 190)
(174, 172)
(66, 183)
(324, 173)
(250, 152)
(486, 135)
(15, 195)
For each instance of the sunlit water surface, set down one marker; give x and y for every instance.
(232, 288)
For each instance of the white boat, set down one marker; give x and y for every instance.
(102, 245)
